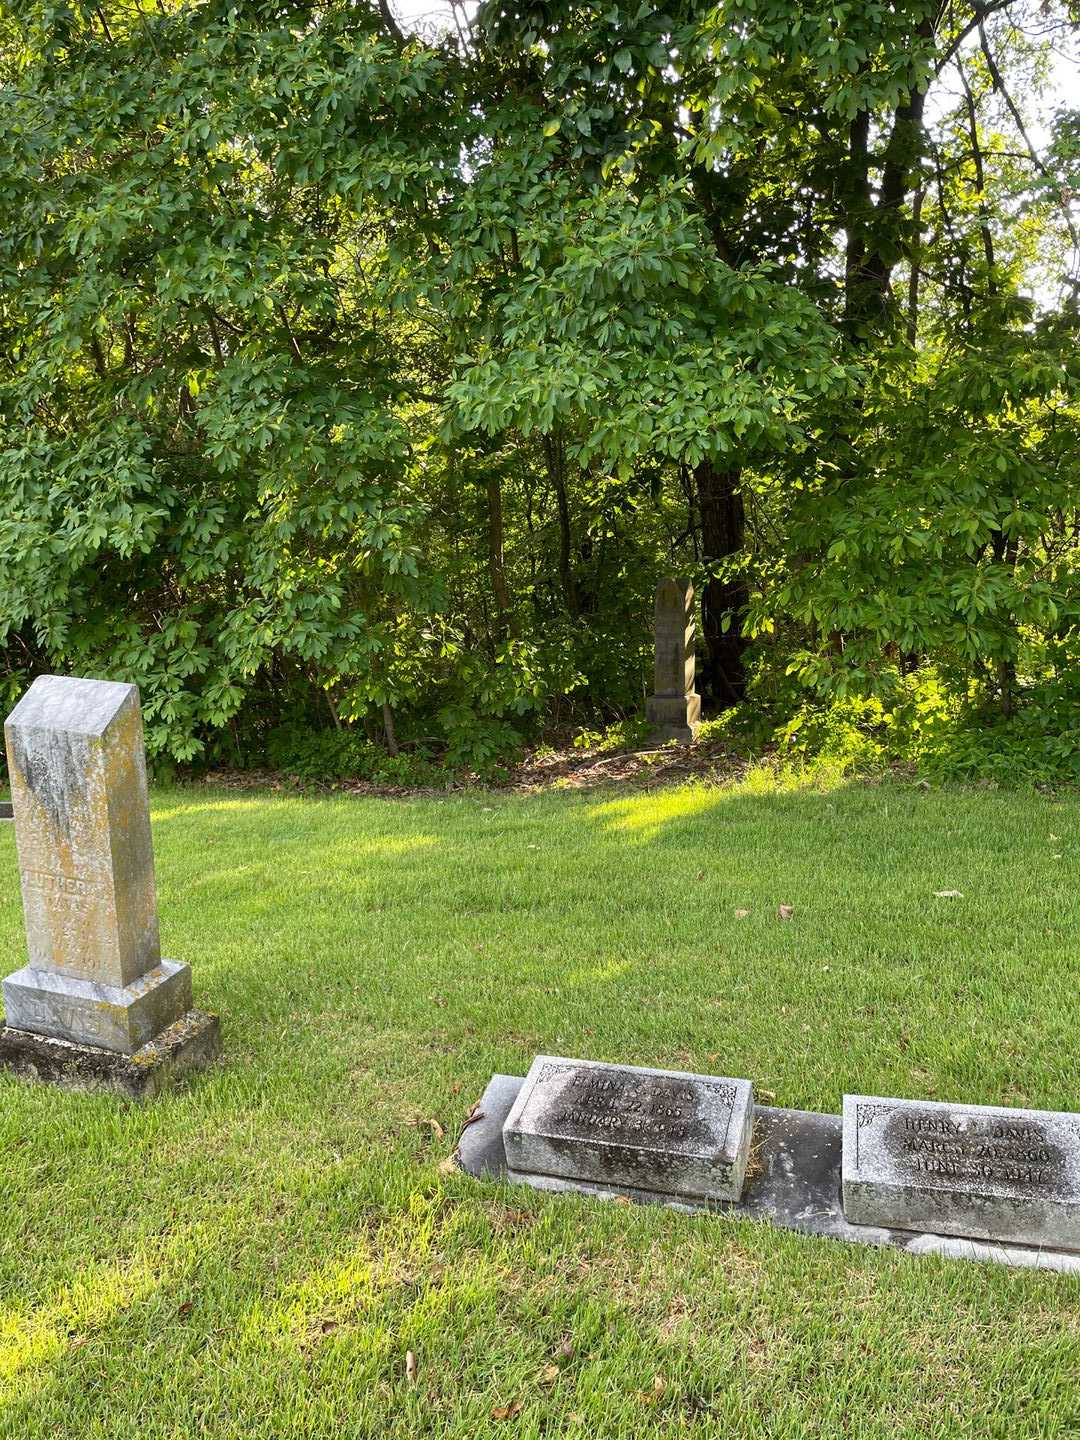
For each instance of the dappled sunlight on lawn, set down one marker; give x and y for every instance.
(95, 1298)
(401, 845)
(644, 816)
(603, 971)
(275, 1240)
(188, 808)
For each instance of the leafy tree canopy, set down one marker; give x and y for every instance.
(367, 381)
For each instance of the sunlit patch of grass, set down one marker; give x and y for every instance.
(256, 1255)
(645, 816)
(40, 1335)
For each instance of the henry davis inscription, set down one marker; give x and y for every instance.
(82, 831)
(656, 1130)
(972, 1170)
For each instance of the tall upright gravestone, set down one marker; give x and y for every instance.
(95, 977)
(674, 707)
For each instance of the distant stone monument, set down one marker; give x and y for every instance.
(95, 978)
(674, 707)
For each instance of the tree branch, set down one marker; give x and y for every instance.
(1036, 159)
(391, 24)
(982, 12)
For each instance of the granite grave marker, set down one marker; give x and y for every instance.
(674, 708)
(95, 976)
(973, 1170)
(631, 1129)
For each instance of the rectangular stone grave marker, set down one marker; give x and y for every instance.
(662, 1131)
(82, 831)
(674, 707)
(974, 1170)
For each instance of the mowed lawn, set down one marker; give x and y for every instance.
(257, 1255)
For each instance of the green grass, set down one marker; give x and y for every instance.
(255, 1256)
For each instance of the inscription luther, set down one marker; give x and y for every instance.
(632, 1128)
(968, 1170)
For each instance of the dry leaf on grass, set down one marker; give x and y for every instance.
(436, 1128)
(548, 1374)
(474, 1114)
(650, 1397)
(741, 914)
(949, 894)
(565, 1349)
(508, 1412)
(785, 912)
(410, 1367)
(450, 1165)
(765, 1094)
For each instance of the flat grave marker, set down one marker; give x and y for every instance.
(980, 1171)
(629, 1128)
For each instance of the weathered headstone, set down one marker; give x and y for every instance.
(674, 708)
(627, 1128)
(972, 1170)
(95, 975)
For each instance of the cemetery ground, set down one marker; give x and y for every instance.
(279, 1248)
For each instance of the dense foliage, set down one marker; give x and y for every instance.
(363, 382)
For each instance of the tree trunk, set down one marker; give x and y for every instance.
(555, 455)
(388, 729)
(877, 233)
(722, 674)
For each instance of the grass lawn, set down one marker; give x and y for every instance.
(256, 1255)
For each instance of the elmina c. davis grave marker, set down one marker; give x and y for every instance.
(628, 1128)
(96, 1005)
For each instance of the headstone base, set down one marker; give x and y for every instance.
(674, 717)
(189, 1044)
(106, 1017)
(559, 1186)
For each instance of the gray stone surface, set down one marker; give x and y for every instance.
(674, 708)
(107, 1016)
(976, 1171)
(86, 865)
(793, 1181)
(82, 829)
(190, 1043)
(661, 1131)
